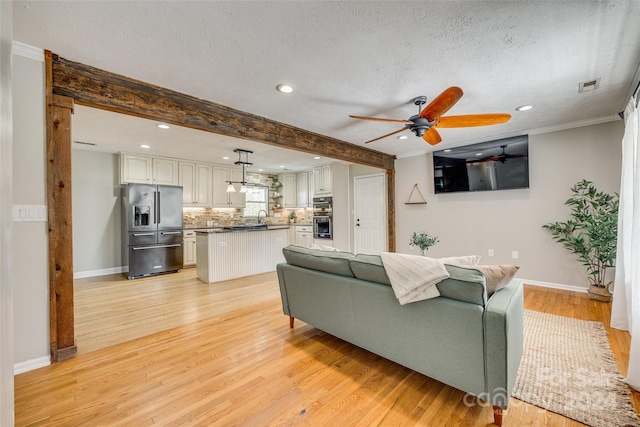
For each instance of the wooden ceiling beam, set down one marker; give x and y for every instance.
(97, 88)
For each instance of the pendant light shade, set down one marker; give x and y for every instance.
(243, 187)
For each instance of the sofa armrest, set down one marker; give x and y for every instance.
(283, 288)
(503, 331)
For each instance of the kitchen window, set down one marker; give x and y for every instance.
(256, 200)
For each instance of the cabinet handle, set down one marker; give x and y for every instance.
(144, 248)
(142, 234)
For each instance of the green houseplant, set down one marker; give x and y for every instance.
(292, 216)
(591, 233)
(423, 240)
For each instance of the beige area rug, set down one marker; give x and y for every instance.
(568, 368)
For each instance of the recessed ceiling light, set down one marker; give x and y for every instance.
(478, 154)
(525, 107)
(448, 150)
(145, 146)
(281, 167)
(403, 137)
(260, 170)
(284, 88)
(163, 126)
(317, 157)
(225, 158)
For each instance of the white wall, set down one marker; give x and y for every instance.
(341, 206)
(6, 279)
(508, 220)
(97, 239)
(30, 240)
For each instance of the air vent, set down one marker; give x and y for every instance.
(589, 85)
(85, 143)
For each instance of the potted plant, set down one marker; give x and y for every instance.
(423, 240)
(292, 217)
(591, 233)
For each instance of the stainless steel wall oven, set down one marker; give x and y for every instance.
(323, 218)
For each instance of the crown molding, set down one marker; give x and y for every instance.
(573, 125)
(27, 51)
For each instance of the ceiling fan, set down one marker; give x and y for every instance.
(502, 157)
(424, 124)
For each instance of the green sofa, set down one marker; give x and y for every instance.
(462, 338)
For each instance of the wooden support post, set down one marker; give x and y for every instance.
(291, 319)
(391, 210)
(58, 128)
(497, 415)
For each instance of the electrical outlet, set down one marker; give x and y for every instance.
(490, 252)
(514, 254)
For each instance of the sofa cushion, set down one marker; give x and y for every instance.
(369, 267)
(464, 284)
(498, 276)
(328, 261)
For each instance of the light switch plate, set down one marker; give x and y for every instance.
(37, 213)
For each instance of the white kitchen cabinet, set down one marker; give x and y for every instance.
(165, 171)
(291, 236)
(140, 169)
(195, 179)
(324, 242)
(304, 235)
(222, 199)
(323, 180)
(289, 190)
(305, 185)
(189, 254)
(135, 168)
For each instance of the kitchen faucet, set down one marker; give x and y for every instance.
(265, 215)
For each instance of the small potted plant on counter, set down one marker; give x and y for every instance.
(292, 217)
(423, 240)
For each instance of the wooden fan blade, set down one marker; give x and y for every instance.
(376, 119)
(441, 103)
(471, 120)
(384, 136)
(432, 136)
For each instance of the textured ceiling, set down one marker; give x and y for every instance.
(362, 58)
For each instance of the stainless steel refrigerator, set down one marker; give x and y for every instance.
(152, 229)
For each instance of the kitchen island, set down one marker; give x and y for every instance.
(231, 252)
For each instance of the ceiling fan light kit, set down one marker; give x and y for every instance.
(424, 123)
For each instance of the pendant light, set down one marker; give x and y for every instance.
(243, 187)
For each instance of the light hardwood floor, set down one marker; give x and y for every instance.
(172, 350)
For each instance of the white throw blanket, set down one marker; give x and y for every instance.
(413, 278)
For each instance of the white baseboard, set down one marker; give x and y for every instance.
(102, 272)
(30, 365)
(560, 286)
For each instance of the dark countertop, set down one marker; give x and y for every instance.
(235, 229)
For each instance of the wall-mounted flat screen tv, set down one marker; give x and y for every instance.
(501, 164)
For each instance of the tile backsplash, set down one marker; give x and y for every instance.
(200, 217)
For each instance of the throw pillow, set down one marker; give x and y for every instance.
(461, 260)
(498, 276)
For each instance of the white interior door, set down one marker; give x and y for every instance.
(370, 214)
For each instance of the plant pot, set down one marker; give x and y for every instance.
(597, 293)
